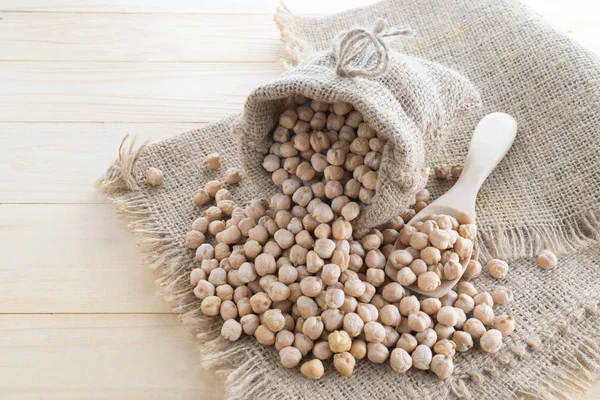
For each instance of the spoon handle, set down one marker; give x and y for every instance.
(491, 141)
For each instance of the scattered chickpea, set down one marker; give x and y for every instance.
(442, 366)
(491, 341)
(313, 369)
(502, 295)
(497, 268)
(547, 260)
(400, 360)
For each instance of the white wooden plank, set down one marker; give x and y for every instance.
(71, 259)
(138, 37)
(127, 92)
(58, 163)
(143, 6)
(66, 357)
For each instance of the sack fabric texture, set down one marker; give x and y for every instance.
(411, 103)
(544, 194)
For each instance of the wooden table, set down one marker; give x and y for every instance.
(79, 318)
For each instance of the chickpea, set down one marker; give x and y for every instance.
(419, 321)
(468, 231)
(312, 369)
(390, 315)
(444, 331)
(400, 258)
(290, 356)
(344, 363)
(431, 255)
(375, 277)
(502, 295)
(491, 341)
(431, 306)
(473, 270)
(428, 281)
(447, 316)
(445, 347)
(250, 323)
(154, 176)
(465, 303)
(505, 324)
(418, 266)
(307, 307)
(442, 366)
(260, 302)
(421, 357)
(497, 268)
(467, 217)
(546, 260)
(452, 270)
(210, 306)
(484, 313)
(352, 188)
(321, 351)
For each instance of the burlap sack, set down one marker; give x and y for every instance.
(411, 103)
(546, 193)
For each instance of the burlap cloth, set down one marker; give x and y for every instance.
(545, 194)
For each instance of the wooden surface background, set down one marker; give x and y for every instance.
(79, 318)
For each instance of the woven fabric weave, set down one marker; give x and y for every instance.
(545, 194)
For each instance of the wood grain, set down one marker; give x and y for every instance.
(141, 37)
(66, 357)
(58, 162)
(143, 6)
(127, 92)
(72, 258)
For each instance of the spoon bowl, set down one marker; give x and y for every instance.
(492, 139)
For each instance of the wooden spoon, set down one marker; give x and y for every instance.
(491, 141)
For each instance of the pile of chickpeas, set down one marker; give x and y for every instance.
(291, 271)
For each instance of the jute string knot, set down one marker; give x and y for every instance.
(355, 57)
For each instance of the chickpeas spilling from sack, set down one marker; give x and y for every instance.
(291, 272)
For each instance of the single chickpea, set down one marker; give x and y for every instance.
(468, 231)
(401, 258)
(154, 176)
(313, 369)
(200, 225)
(277, 291)
(250, 323)
(484, 313)
(352, 188)
(505, 324)
(445, 347)
(421, 357)
(307, 307)
(196, 276)
(419, 240)
(204, 252)
(428, 281)
(407, 342)
(393, 292)
(210, 306)
(491, 341)
(431, 255)
(419, 321)
(473, 270)
(366, 131)
(447, 316)
(497, 268)
(288, 119)
(466, 217)
(228, 310)
(377, 352)
(406, 276)
(546, 260)
(442, 366)
(313, 327)
(201, 197)
(502, 295)
(204, 289)
(400, 360)
(324, 247)
(194, 239)
(290, 356)
(264, 335)
(358, 349)
(344, 363)
(260, 302)
(224, 292)
(464, 248)
(330, 273)
(321, 351)
(390, 315)
(452, 270)
(418, 266)
(311, 286)
(465, 303)
(365, 195)
(431, 306)
(440, 239)
(466, 288)
(463, 341)
(339, 341)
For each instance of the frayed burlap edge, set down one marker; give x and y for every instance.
(571, 375)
